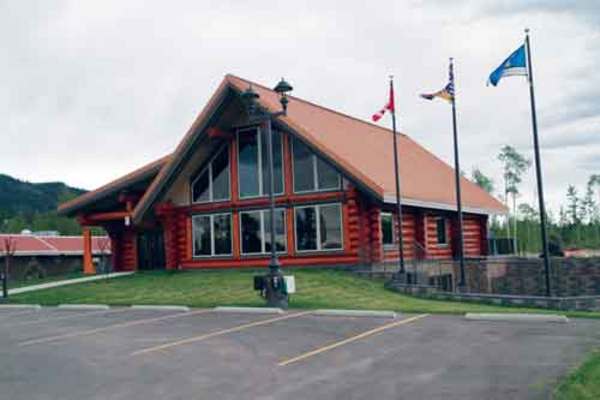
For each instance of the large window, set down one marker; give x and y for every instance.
(254, 163)
(255, 231)
(319, 227)
(311, 174)
(440, 227)
(387, 229)
(211, 235)
(212, 184)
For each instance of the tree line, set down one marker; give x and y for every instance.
(576, 225)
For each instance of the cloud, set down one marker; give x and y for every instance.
(92, 90)
(590, 162)
(585, 10)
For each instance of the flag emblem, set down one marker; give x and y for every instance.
(389, 106)
(447, 93)
(514, 65)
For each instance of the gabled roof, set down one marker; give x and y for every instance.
(148, 171)
(362, 150)
(31, 245)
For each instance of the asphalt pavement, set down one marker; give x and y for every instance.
(202, 354)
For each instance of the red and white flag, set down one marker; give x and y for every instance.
(389, 106)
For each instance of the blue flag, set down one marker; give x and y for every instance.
(514, 65)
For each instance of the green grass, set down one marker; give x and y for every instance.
(317, 288)
(47, 279)
(583, 383)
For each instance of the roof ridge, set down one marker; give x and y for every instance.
(371, 124)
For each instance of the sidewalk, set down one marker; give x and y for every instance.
(66, 282)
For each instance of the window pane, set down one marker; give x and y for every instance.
(306, 228)
(328, 177)
(201, 228)
(200, 188)
(277, 162)
(280, 237)
(248, 162)
(303, 168)
(222, 233)
(331, 227)
(251, 236)
(441, 230)
(220, 173)
(387, 236)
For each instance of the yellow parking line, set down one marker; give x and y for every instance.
(108, 328)
(217, 333)
(349, 340)
(81, 314)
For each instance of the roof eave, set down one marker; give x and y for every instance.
(72, 206)
(444, 206)
(185, 146)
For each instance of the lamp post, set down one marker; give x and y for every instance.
(272, 284)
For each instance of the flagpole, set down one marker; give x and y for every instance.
(461, 282)
(538, 166)
(402, 269)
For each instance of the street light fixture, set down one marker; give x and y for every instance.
(272, 284)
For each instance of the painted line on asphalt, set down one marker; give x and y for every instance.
(109, 328)
(72, 316)
(351, 339)
(221, 332)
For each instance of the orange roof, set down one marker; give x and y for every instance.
(112, 187)
(32, 245)
(365, 150)
(360, 149)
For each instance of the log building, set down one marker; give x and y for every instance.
(205, 205)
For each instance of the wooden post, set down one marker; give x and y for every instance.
(88, 264)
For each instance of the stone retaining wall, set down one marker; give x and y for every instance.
(510, 275)
(573, 303)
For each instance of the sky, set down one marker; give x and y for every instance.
(91, 90)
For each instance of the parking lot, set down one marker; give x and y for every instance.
(125, 353)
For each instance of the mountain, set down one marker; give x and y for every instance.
(26, 205)
(20, 197)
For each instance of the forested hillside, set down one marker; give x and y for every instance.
(25, 205)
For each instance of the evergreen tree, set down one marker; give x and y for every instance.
(573, 206)
(483, 181)
(514, 166)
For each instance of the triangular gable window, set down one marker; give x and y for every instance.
(311, 173)
(212, 183)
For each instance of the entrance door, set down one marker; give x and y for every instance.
(151, 250)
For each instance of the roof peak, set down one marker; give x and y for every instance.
(387, 130)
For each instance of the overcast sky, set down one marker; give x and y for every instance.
(90, 90)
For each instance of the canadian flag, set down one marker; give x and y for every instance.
(389, 106)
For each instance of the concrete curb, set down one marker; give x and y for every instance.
(159, 308)
(84, 306)
(356, 313)
(50, 285)
(518, 317)
(249, 310)
(20, 306)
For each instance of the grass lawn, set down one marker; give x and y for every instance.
(47, 279)
(317, 288)
(583, 383)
